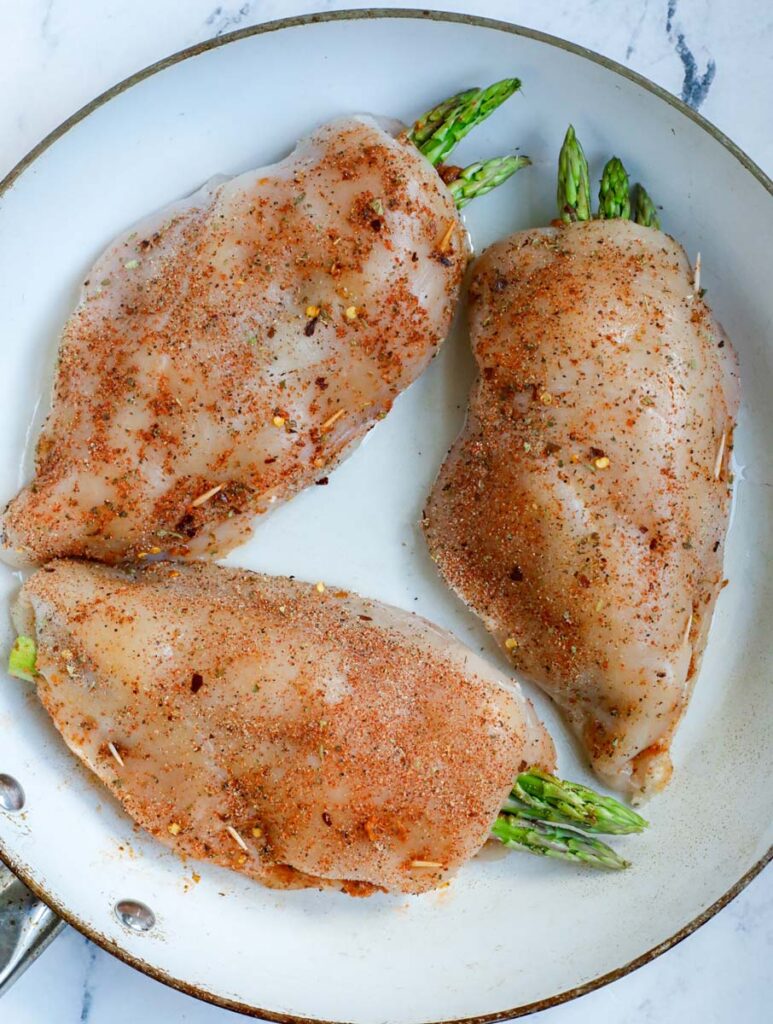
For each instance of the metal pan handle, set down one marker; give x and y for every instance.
(26, 927)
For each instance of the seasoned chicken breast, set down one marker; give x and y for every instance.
(299, 735)
(583, 510)
(230, 349)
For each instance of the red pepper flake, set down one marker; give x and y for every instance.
(197, 681)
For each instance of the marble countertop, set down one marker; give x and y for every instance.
(57, 55)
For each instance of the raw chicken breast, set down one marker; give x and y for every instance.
(298, 735)
(231, 349)
(583, 510)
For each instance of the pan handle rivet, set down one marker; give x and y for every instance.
(135, 915)
(11, 793)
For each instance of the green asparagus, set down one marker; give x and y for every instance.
(22, 659)
(424, 127)
(550, 840)
(455, 117)
(614, 199)
(481, 177)
(541, 796)
(573, 194)
(644, 211)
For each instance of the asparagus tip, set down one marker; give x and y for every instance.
(614, 195)
(573, 188)
(437, 132)
(549, 840)
(643, 209)
(425, 126)
(540, 795)
(483, 176)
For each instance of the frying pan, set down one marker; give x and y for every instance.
(27, 925)
(242, 100)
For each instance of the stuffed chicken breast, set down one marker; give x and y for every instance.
(300, 735)
(582, 512)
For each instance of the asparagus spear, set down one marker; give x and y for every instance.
(455, 117)
(573, 194)
(614, 200)
(644, 211)
(424, 127)
(539, 795)
(481, 177)
(22, 659)
(550, 840)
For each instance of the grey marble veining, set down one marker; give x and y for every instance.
(226, 19)
(55, 55)
(695, 87)
(717, 56)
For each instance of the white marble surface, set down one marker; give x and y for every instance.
(55, 55)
